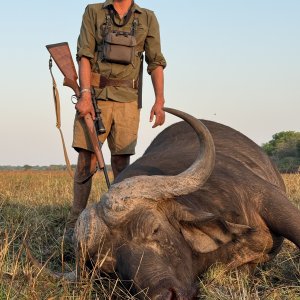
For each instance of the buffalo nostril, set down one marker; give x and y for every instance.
(172, 294)
(165, 295)
(178, 295)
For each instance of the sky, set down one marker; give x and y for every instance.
(235, 62)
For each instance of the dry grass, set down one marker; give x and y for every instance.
(35, 204)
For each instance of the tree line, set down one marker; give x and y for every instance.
(35, 168)
(284, 150)
(40, 168)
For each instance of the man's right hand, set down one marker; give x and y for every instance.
(84, 106)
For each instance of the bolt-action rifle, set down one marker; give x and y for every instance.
(61, 54)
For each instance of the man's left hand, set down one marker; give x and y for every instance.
(158, 112)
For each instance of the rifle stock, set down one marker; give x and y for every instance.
(73, 85)
(61, 54)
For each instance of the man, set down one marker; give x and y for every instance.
(117, 97)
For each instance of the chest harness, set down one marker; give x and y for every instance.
(119, 47)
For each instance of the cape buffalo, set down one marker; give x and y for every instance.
(202, 193)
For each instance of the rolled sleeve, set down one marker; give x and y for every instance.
(86, 40)
(153, 54)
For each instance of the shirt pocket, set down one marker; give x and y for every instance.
(100, 32)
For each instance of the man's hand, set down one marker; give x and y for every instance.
(84, 106)
(157, 111)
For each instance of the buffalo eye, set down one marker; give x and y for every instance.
(155, 230)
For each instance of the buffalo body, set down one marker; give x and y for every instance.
(237, 215)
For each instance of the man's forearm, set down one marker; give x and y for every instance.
(157, 77)
(84, 105)
(84, 73)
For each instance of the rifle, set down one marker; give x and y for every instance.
(62, 56)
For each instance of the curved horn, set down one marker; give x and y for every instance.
(68, 276)
(162, 187)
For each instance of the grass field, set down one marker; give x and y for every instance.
(35, 205)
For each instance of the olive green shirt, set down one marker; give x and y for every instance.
(148, 41)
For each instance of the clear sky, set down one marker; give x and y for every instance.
(235, 62)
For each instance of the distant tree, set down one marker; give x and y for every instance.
(56, 167)
(298, 148)
(27, 167)
(284, 149)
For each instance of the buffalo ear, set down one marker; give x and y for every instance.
(206, 232)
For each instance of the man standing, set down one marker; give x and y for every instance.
(110, 30)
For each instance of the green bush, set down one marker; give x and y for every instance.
(284, 150)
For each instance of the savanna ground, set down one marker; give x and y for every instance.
(34, 205)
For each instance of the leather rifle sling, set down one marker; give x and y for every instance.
(58, 119)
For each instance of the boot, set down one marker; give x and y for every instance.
(81, 195)
(86, 168)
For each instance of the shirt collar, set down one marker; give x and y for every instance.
(135, 7)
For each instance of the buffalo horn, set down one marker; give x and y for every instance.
(159, 187)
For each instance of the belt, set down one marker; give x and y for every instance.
(99, 81)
